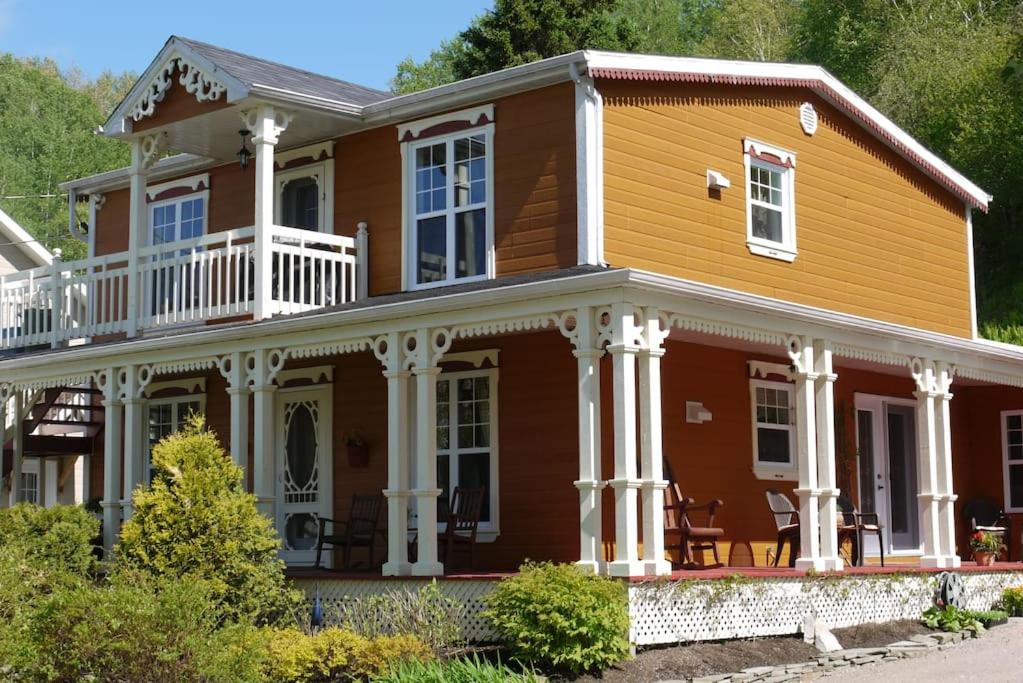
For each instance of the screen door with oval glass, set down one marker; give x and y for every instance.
(887, 471)
(303, 469)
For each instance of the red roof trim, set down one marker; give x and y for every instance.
(814, 84)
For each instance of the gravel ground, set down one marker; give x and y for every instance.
(995, 657)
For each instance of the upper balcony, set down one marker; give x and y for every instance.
(176, 284)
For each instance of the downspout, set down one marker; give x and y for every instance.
(589, 137)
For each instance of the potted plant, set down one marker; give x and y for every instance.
(986, 547)
(358, 450)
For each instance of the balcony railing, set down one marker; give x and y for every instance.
(178, 283)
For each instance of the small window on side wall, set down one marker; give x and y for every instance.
(773, 418)
(770, 201)
(304, 197)
(1012, 459)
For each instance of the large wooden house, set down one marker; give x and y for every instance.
(549, 282)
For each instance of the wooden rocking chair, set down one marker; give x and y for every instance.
(691, 538)
(358, 531)
(786, 518)
(462, 524)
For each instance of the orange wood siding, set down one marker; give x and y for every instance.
(177, 105)
(875, 237)
(112, 223)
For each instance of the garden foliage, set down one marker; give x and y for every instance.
(561, 618)
(1012, 601)
(428, 613)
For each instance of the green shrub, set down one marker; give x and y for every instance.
(560, 617)
(427, 613)
(383, 652)
(1012, 601)
(60, 537)
(196, 522)
(335, 654)
(990, 617)
(468, 670)
(952, 618)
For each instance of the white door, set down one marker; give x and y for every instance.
(303, 450)
(887, 470)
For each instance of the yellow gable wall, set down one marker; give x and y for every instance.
(875, 237)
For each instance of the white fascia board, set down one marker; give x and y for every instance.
(118, 124)
(769, 70)
(290, 97)
(27, 244)
(118, 178)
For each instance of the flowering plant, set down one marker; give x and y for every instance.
(986, 541)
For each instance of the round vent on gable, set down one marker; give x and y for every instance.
(808, 118)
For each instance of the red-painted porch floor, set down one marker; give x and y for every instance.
(719, 573)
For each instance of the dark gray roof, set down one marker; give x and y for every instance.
(254, 71)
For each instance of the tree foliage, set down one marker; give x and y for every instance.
(47, 124)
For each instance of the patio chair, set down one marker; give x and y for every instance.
(462, 524)
(854, 525)
(788, 530)
(984, 514)
(358, 531)
(691, 538)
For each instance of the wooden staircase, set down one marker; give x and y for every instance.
(62, 421)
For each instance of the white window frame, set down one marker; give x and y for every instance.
(489, 530)
(409, 220)
(152, 206)
(29, 472)
(773, 471)
(786, 249)
(323, 171)
(1006, 465)
(177, 401)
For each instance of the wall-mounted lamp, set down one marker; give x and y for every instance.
(717, 181)
(696, 413)
(244, 154)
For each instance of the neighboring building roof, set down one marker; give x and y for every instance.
(13, 234)
(242, 76)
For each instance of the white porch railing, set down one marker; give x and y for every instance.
(188, 282)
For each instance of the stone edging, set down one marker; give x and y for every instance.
(914, 647)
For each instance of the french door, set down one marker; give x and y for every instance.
(887, 469)
(303, 450)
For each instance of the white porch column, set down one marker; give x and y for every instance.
(927, 464)
(588, 353)
(801, 353)
(5, 400)
(623, 350)
(266, 126)
(138, 222)
(232, 368)
(42, 482)
(108, 382)
(388, 350)
(18, 438)
(133, 382)
(827, 479)
(263, 366)
(650, 444)
(426, 491)
(946, 506)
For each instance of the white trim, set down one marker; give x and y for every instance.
(192, 182)
(26, 243)
(476, 358)
(177, 420)
(589, 170)
(468, 116)
(316, 374)
(763, 370)
(410, 218)
(785, 250)
(323, 171)
(972, 271)
(314, 153)
(773, 471)
(1008, 506)
(192, 385)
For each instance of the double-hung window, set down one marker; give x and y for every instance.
(773, 416)
(1012, 459)
(30, 487)
(174, 285)
(467, 439)
(449, 180)
(770, 201)
(165, 416)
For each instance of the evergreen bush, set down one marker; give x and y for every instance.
(58, 538)
(197, 522)
(561, 618)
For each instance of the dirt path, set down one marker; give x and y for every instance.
(995, 657)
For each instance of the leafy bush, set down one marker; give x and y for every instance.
(336, 654)
(428, 614)
(474, 670)
(60, 537)
(952, 618)
(561, 617)
(196, 522)
(1012, 601)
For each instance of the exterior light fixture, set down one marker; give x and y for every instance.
(244, 154)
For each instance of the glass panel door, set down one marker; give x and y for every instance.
(902, 478)
(303, 466)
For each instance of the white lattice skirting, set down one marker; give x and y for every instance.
(676, 611)
(665, 611)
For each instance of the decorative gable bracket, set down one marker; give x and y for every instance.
(195, 80)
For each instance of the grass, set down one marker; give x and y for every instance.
(464, 670)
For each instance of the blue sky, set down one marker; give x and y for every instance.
(356, 40)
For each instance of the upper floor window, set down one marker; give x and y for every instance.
(770, 201)
(1012, 459)
(304, 197)
(180, 218)
(450, 206)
